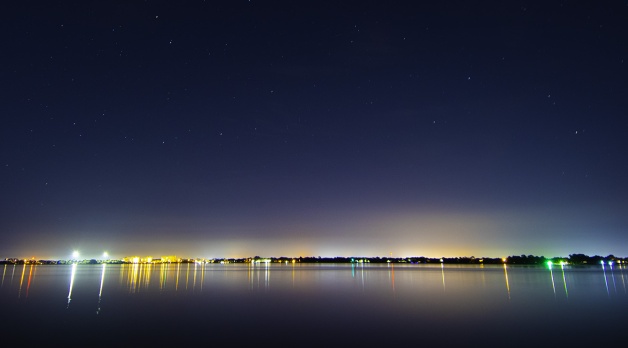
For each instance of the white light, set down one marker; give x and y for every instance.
(75, 254)
(105, 255)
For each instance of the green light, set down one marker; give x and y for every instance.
(549, 264)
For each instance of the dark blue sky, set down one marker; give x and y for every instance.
(274, 128)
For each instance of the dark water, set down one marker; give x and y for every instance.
(312, 304)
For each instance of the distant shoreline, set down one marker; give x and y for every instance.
(572, 259)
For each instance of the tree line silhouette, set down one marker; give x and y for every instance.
(573, 259)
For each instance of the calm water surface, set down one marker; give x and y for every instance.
(312, 304)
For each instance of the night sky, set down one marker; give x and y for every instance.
(313, 128)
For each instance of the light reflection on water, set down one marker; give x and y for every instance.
(311, 297)
(194, 277)
(73, 272)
